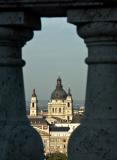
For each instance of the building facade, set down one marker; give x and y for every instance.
(60, 106)
(55, 137)
(43, 128)
(55, 127)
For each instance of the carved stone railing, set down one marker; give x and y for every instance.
(96, 23)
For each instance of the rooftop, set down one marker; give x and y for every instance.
(59, 129)
(38, 120)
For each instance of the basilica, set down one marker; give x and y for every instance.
(60, 106)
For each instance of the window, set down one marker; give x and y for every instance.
(33, 104)
(55, 110)
(40, 127)
(68, 104)
(68, 118)
(64, 146)
(59, 110)
(45, 127)
(52, 109)
(52, 140)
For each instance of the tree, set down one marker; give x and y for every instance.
(56, 156)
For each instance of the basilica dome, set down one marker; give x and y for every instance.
(59, 92)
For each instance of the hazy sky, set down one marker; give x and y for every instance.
(55, 51)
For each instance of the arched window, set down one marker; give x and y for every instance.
(68, 104)
(59, 110)
(33, 104)
(64, 146)
(68, 118)
(55, 110)
(52, 109)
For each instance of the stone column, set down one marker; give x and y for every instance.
(18, 141)
(96, 138)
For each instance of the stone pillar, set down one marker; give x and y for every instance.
(96, 138)
(18, 140)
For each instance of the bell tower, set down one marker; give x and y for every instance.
(34, 105)
(69, 106)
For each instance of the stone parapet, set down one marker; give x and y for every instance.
(52, 8)
(18, 140)
(96, 136)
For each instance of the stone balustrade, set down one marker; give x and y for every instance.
(96, 23)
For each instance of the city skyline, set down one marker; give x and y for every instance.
(55, 51)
